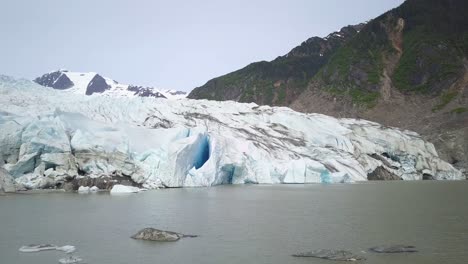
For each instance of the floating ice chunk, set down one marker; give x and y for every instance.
(37, 247)
(43, 247)
(67, 249)
(83, 189)
(70, 260)
(94, 189)
(118, 189)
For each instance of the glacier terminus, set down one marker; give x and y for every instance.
(49, 138)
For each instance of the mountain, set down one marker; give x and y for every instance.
(407, 68)
(89, 83)
(51, 139)
(280, 81)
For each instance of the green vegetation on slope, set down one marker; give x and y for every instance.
(357, 67)
(459, 110)
(445, 98)
(434, 45)
(428, 61)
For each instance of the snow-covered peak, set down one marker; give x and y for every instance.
(80, 80)
(91, 83)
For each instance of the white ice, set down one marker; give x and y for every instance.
(67, 249)
(83, 189)
(121, 189)
(45, 247)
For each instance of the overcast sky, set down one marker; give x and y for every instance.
(167, 44)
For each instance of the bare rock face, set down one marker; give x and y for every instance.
(153, 234)
(97, 85)
(382, 174)
(57, 80)
(105, 182)
(63, 82)
(145, 91)
(339, 255)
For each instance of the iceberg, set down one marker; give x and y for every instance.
(67, 249)
(49, 138)
(83, 189)
(37, 248)
(120, 189)
(45, 247)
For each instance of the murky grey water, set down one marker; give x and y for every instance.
(243, 224)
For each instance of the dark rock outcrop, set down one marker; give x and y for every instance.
(382, 174)
(103, 182)
(63, 83)
(153, 234)
(339, 255)
(428, 177)
(177, 92)
(57, 80)
(97, 85)
(394, 249)
(145, 91)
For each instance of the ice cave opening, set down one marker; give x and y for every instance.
(203, 152)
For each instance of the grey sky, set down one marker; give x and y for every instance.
(166, 44)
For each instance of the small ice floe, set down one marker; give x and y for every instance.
(121, 189)
(37, 247)
(43, 247)
(86, 189)
(67, 249)
(70, 260)
(83, 189)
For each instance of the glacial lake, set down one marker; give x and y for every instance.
(243, 224)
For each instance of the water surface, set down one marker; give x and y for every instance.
(243, 224)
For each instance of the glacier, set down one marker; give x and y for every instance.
(49, 138)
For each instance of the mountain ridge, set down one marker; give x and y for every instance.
(296, 66)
